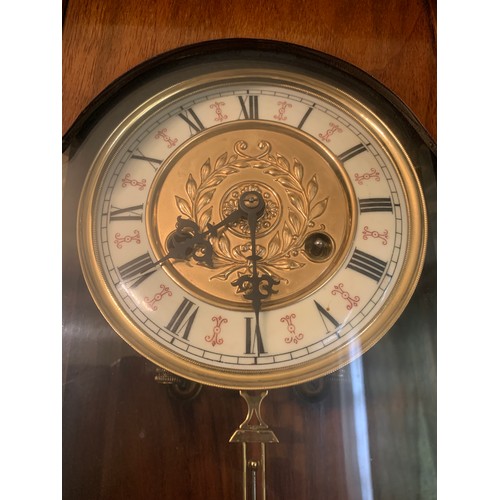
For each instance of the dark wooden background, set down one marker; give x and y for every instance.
(373, 433)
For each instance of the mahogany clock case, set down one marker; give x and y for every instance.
(360, 83)
(108, 386)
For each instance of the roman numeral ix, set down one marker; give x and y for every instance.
(136, 270)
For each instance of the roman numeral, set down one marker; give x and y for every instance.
(154, 162)
(191, 118)
(252, 111)
(136, 271)
(352, 152)
(367, 264)
(327, 319)
(129, 213)
(183, 318)
(304, 118)
(375, 205)
(253, 339)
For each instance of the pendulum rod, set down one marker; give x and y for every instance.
(254, 434)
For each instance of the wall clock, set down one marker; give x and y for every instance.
(252, 215)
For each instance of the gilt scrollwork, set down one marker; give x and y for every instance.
(299, 210)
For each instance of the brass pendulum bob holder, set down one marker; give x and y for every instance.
(254, 434)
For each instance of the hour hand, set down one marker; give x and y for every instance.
(188, 242)
(232, 217)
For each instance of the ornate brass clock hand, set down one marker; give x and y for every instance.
(188, 242)
(255, 287)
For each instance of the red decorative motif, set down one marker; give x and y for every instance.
(162, 134)
(352, 301)
(218, 111)
(372, 174)
(376, 234)
(294, 336)
(120, 240)
(333, 128)
(214, 338)
(164, 290)
(127, 181)
(281, 112)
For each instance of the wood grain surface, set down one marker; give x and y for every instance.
(371, 433)
(394, 40)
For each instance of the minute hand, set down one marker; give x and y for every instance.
(255, 287)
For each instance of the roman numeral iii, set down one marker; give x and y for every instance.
(375, 205)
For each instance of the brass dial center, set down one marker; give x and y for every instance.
(306, 209)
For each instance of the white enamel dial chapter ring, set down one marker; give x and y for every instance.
(216, 293)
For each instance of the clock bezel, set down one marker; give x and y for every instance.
(279, 377)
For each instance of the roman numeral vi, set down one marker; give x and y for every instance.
(253, 339)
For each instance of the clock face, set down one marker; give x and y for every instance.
(251, 226)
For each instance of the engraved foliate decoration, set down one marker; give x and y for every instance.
(287, 175)
(269, 219)
(283, 251)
